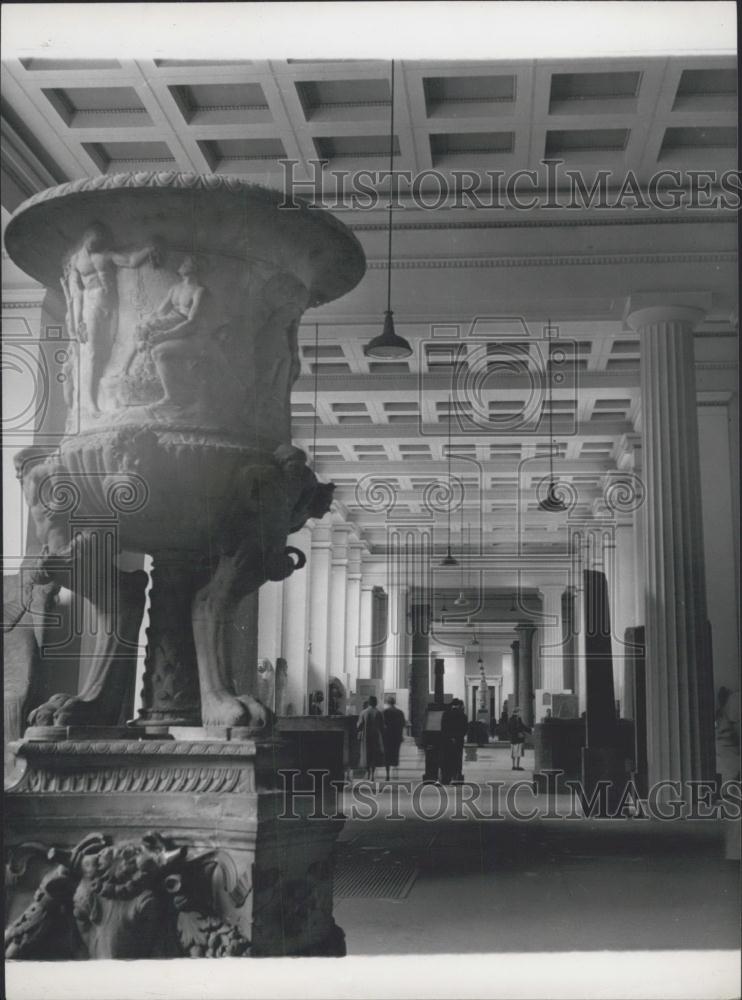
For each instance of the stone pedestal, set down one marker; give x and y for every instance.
(337, 730)
(202, 851)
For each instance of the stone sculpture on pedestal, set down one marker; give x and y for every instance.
(183, 298)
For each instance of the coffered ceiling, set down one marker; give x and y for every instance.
(484, 295)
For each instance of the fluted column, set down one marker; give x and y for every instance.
(365, 629)
(394, 650)
(319, 610)
(270, 620)
(550, 648)
(515, 646)
(622, 582)
(338, 601)
(569, 638)
(353, 613)
(629, 461)
(296, 626)
(679, 681)
(419, 678)
(525, 673)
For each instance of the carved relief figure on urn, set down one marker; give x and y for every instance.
(175, 338)
(90, 286)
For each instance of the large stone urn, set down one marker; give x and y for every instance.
(183, 297)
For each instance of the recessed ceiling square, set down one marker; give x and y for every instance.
(586, 140)
(344, 100)
(242, 155)
(354, 147)
(468, 96)
(98, 107)
(594, 93)
(449, 147)
(707, 90)
(111, 157)
(222, 103)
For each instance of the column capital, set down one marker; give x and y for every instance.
(322, 536)
(645, 308)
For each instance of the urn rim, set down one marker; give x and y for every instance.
(36, 240)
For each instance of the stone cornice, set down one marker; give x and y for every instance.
(7, 305)
(552, 260)
(471, 224)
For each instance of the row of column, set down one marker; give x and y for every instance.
(321, 620)
(654, 564)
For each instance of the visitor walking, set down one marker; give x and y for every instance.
(517, 732)
(394, 723)
(371, 735)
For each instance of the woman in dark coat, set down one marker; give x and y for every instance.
(371, 735)
(394, 723)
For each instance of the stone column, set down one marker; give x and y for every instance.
(419, 680)
(365, 629)
(338, 602)
(550, 639)
(353, 613)
(679, 681)
(296, 627)
(629, 462)
(395, 656)
(569, 636)
(319, 610)
(586, 560)
(525, 673)
(515, 646)
(622, 582)
(270, 621)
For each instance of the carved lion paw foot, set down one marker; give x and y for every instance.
(228, 711)
(64, 710)
(260, 717)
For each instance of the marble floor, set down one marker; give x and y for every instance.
(542, 885)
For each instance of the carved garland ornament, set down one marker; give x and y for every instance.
(145, 899)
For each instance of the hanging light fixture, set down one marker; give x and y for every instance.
(513, 608)
(448, 559)
(552, 502)
(388, 344)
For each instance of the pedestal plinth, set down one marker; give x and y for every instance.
(147, 848)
